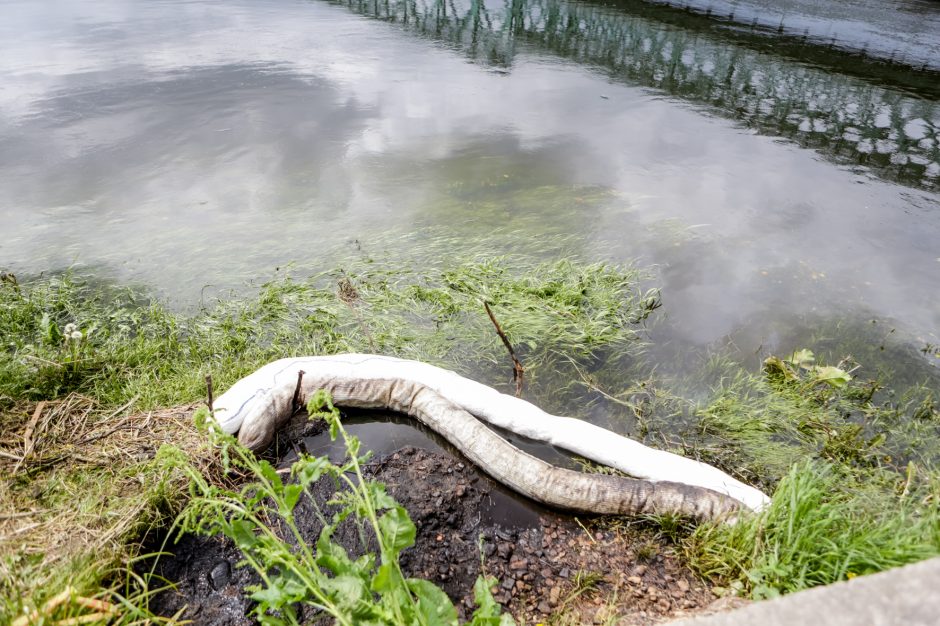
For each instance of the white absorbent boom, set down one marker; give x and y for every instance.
(663, 482)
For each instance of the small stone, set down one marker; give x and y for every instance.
(460, 490)
(518, 564)
(683, 585)
(220, 574)
(565, 572)
(553, 595)
(640, 570)
(634, 580)
(544, 607)
(508, 583)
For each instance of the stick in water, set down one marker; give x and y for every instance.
(518, 372)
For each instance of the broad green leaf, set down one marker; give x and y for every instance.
(332, 555)
(397, 529)
(488, 611)
(380, 496)
(386, 578)
(291, 496)
(434, 606)
(308, 470)
(270, 474)
(50, 331)
(243, 534)
(350, 594)
(802, 358)
(831, 375)
(282, 591)
(364, 565)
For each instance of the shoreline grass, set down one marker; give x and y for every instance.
(97, 366)
(854, 467)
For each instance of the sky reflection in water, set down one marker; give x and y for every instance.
(180, 144)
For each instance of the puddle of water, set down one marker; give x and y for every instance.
(385, 433)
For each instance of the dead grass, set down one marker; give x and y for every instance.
(80, 486)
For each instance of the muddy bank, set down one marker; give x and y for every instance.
(547, 564)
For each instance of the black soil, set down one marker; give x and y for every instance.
(546, 563)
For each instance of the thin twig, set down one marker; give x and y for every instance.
(349, 296)
(209, 390)
(120, 425)
(9, 516)
(518, 372)
(42, 360)
(123, 408)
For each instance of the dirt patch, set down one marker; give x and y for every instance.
(551, 567)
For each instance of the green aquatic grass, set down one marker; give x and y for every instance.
(131, 347)
(855, 483)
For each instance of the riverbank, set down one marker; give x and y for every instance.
(89, 366)
(549, 567)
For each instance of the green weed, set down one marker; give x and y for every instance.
(370, 589)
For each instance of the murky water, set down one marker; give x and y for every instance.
(384, 433)
(779, 169)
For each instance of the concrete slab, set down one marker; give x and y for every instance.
(906, 596)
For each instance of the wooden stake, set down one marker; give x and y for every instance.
(209, 389)
(295, 402)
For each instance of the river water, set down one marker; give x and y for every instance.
(777, 165)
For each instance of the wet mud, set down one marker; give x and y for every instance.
(547, 564)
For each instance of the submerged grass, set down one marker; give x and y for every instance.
(86, 371)
(133, 348)
(854, 477)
